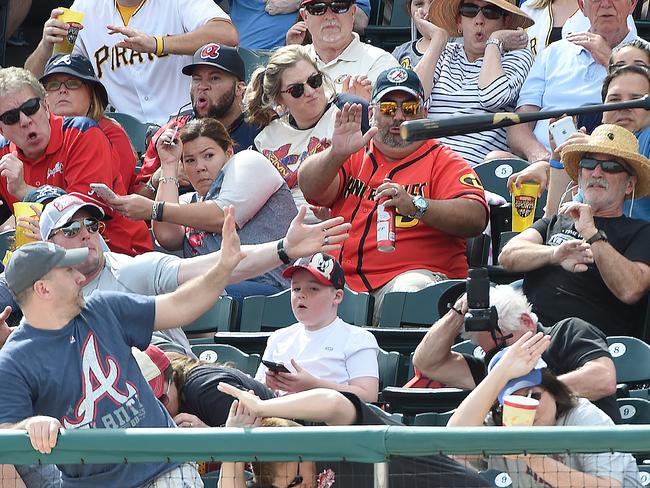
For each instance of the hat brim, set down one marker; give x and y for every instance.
(94, 211)
(72, 257)
(189, 69)
(444, 13)
(378, 96)
(67, 70)
(288, 273)
(571, 156)
(534, 378)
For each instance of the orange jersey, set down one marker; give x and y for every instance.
(433, 171)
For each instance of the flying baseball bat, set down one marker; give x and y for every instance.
(419, 130)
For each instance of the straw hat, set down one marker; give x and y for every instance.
(444, 13)
(615, 141)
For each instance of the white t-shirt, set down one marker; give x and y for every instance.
(339, 352)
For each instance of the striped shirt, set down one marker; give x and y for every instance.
(456, 92)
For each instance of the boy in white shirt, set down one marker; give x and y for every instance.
(321, 350)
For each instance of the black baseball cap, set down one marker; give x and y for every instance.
(323, 267)
(43, 193)
(218, 56)
(74, 65)
(397, 79)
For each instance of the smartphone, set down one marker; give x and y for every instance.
(561, 129)
(275, 367)
(103, 191)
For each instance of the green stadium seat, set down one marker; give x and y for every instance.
(223, 354)
(433, 419)
(388, 368)
(631, 358)
(634, 410)
(395, 416)
(466, 347)
(135, 129)
(253, 58)
(221, 317)
(496, 478)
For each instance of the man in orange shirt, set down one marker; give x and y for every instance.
(437, 197)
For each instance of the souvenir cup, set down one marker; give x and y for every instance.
(75, 20)
(524, 201)
(24, 209)
(519, 411)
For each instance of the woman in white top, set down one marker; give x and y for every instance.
(295, 104)
(482, 75)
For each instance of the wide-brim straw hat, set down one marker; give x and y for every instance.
(444, 13)
(615, 141)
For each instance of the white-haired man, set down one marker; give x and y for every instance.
(578, 351)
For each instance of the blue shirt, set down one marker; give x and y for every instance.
(85, 376)
(641, 208)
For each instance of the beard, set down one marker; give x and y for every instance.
(387, 137)
(221, 107)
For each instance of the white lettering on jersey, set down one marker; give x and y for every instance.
(58, 168)
(100, 382)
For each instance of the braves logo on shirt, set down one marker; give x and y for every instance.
(100, 384)
(287, 164)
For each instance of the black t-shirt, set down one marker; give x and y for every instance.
(556, 294)
(422, 471)
(574, 342)
(200, 396)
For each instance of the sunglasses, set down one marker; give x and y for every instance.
(29, 108)
(491, 12)
(409, 108)
(164, 398)
(319, 8)
(71, 84)
(297, 90)
(607, 166)
(71, 229)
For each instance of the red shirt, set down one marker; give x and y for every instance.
(78, 154)
(433, 171)
(124, 157)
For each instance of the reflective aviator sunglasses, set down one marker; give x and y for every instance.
(409, 108)
(297, 90)
(71, 229)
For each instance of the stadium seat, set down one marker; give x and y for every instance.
(634, 410)
(478, 250)
(136, 130)
(388, 31)
(494, 174)
(4, 14)
(388, 368)
(267, 313)
(412, 401)
(496, 478)
(253, 58)
(395, 416)
(433, 419)
(632, 361)
(223, 354)
(466, 347)
(644, 471)
(221, 317)
(420, 308)
(6, 243)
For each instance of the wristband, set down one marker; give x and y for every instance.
(556, 164)
(168, 179)
(157, 211)
(282, 253)
(160, 46)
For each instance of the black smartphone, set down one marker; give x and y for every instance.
(275, 367)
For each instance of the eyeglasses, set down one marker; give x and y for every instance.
(297, 90)
(409, 108)
(319, 8)
(607, 166)
(71, 84)
(172, 141)
(29, 108)
(164, 398)
(491, 12)
(71, 229)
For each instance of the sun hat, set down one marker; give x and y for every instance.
(612, 140)
(529, 380)
(75, 65)
(444, 13)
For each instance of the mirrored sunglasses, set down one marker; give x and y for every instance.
(491, 12)
(71, 229)
(319, 8)
(606, 166)
(29, 108)
(71, 84)
(409, 108)
(297, 90)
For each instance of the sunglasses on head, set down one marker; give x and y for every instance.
(491, 12)
(71, 84)
(409, 108)
(319, 8)
(71, 229)
(297, 90)
(606, 166)
(29, 108)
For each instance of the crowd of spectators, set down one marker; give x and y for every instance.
(250, 170)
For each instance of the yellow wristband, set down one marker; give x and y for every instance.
(159, 45)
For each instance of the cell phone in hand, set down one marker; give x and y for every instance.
(561, 129)
(103, 191)
(275, 367)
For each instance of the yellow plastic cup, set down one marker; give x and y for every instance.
(519, 411)
(24, 209)
(524, 202)
(75, 20)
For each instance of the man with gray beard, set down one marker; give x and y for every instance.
(437, 199)
(216, 90)
(591, 261)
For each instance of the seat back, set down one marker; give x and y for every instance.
(478, 251)
(496, 478)
(398, 417)
(388, 368)
(433, 419)
(274, 311)
(220, 318)
(634, 410)
(225, 354)
(494, 174)
(631, 358)
(420, 308)
(253, 58)
(136, 130)
(466, 347)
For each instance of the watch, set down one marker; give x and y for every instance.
(421, 205)
(598, 236)
(497, 42)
